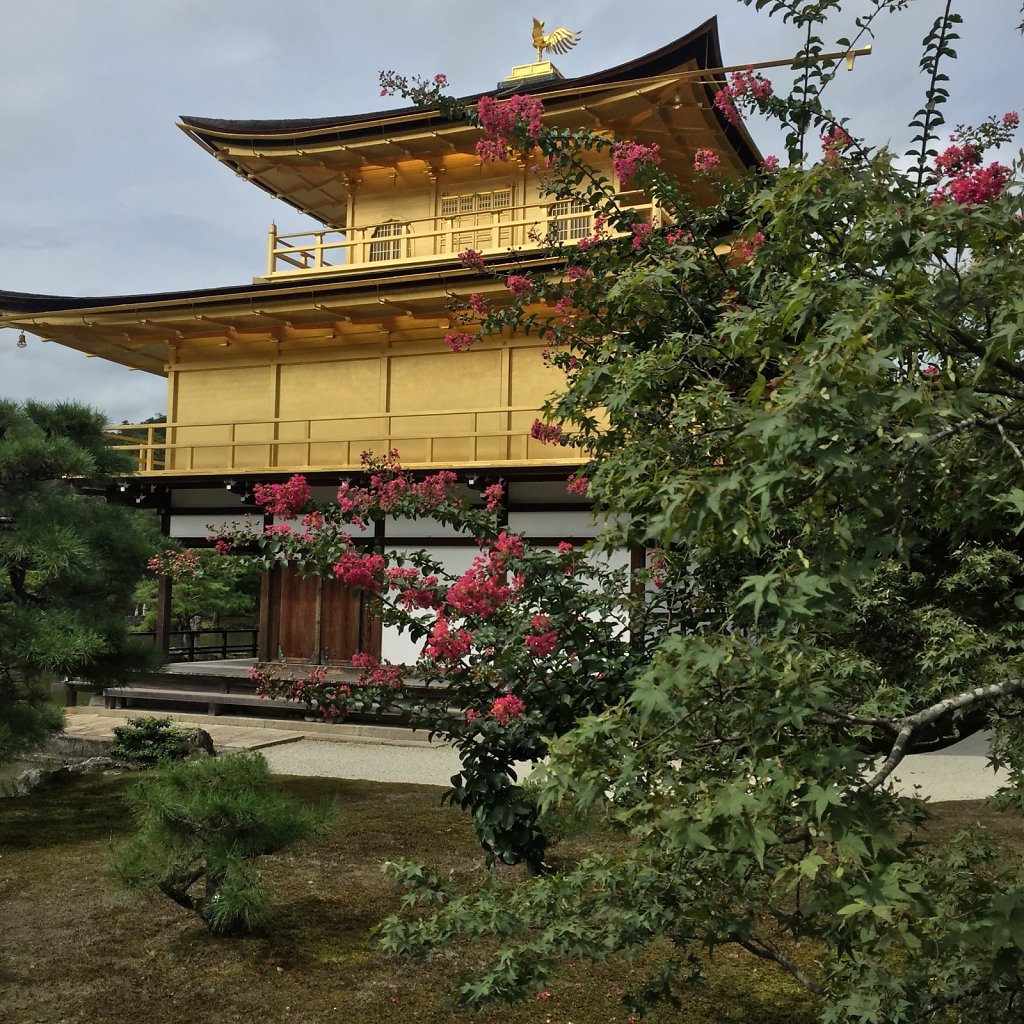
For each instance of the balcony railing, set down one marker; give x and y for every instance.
(390, 242)
(484, 437)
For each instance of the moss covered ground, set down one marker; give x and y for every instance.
(74, 948)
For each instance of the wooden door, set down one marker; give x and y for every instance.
(314, 620)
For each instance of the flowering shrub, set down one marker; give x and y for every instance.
(519, 628)
(419, 90)
(472, 260)
(506, 709)
(521, 287)
(747, 248)
(494, 496)
(641, 231)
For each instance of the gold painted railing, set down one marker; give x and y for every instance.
(386, 243)
(487, 437)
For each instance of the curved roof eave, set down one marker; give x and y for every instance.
(700, 45)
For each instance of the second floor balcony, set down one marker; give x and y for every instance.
(466, 222)
(485, 437)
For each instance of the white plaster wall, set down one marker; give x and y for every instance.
(567, 525)
(415, 528)
(186, 527)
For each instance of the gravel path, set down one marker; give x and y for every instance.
(432, 765)
(957, 773)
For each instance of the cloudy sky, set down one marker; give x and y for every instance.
(102, 194)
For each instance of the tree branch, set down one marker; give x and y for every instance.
(1016, 451)
(766, 952)
(926, 716)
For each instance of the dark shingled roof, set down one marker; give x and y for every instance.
(701, 45)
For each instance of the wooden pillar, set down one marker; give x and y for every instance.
(637, 588)
(163, 615)
(265, 650)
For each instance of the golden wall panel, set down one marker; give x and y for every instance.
(219, 402)
(317, 389)
(446, 380)
(435, 407)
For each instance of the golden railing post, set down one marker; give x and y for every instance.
(271, 247)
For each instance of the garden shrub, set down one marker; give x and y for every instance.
(149, 741)
(207, 822)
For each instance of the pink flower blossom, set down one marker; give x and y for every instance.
(679, 236)
(574, 273)
(506, 709)
(629, 157)
(446, 644)
(546, 433)
(478, 304)
(478, 591)
(747, 248)
(834, 143)
(540, 623)
(421, 91)
(471, 716)
(361, 571)
(641, 234)
(1011, 119)
(968, 183)
(564, 308)
(472, 259)
(577, 485)
(748, 88)
(521, 287)
(956, 159)
(706, 160)
(771, 164)
(176, 565)
(521, 115)
(285, 500)
(508, 545)
(459, 341)
(373, 673)
(599, 233)
(543, 645)
(494, 495)
(223, 547)
(564, 547)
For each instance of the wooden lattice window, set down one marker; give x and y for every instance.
(389, 241)
(563, 226)
(476, 202)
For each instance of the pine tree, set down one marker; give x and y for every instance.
(68, 563)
